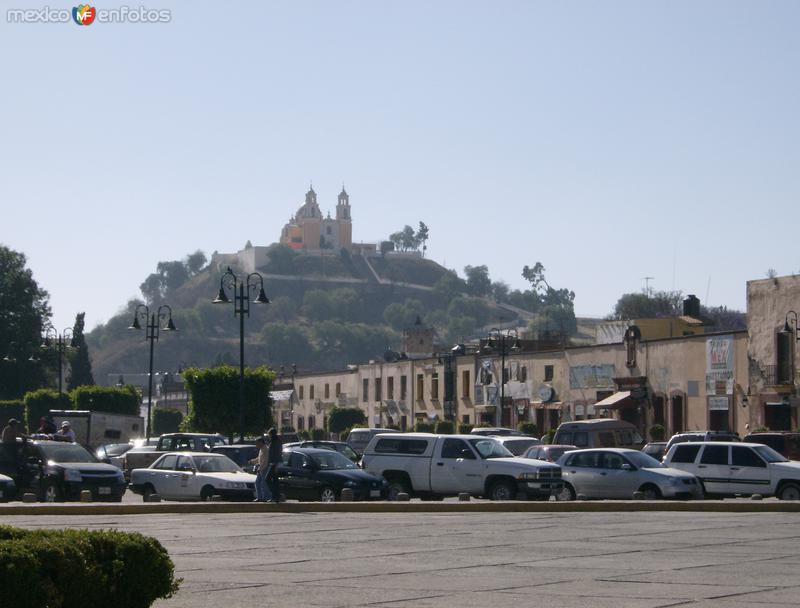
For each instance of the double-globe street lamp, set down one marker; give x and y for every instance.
(241, 308)
(60, 342)
(152, 331)
(504, 342)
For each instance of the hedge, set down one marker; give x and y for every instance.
(341, 418)
(81, 568)
(423, 427)
(529, 428)
(166, 421)
(12, 409)
(107, 399)
(39, 403)
(445, 427)
(465, 429)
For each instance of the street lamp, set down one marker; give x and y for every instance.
(502, 341)
(450, 397)
(281, 374)
(241, 308)
(152, 330)
(60, 342)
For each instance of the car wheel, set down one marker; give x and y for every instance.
(502, 490)
(206, 493)
(52, 493)
(327, 495)
(650, 492)
(789, 491)
(147, 492)
(397, 486)
(566, 493)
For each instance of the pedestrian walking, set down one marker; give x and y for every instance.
(263, 493)
(12, 432)
(275, 458)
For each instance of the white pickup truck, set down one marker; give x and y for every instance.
(434, 466)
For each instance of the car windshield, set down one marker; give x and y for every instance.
(490, 448)
(66, 453)
(770, 455)
(215, 464)
(518, 446)
(643, 461)
(117, 449)
(332, 461)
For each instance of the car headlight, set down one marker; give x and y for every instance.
(533, 475)
(235, 485)
(350, 484)
(72, 475)
(673, 481)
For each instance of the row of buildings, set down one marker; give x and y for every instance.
(676, 372)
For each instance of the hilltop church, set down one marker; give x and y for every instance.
(307, 229)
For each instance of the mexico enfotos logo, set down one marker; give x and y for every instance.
(84, 15)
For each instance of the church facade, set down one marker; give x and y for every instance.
(309, 230)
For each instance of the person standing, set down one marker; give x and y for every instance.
(262, 460)
(275, 457)
(66, 433)
(12, 432)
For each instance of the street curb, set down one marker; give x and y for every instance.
(406, 507)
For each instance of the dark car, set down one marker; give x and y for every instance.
(241, 454)
(318, 474)
(8, 489)
(339, 446)
(57, 471)
(784, 442)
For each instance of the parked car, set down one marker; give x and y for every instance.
(434, 466)
(655, 449)
(8, 489)
(619, 472)
(141, 458)
(700, 436)
(496, 431)
(730, 468)
(338, 446)
(359, 438)
(599, 433)
(57, 471)
(518, 445)
(112, 453)
(193, 476)
(322, 474)
(783, 442)
(240, 453)
(547, 452)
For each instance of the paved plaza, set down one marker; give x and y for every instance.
(635, 560)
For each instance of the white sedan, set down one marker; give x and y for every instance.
(193, 476)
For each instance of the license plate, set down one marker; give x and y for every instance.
(104, 490)
(375, 493)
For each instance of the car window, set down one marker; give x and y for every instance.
(185, 464)
(518, 446)
(606, 439)
(579, 439)
(625, 438)
(401, 446)
(585, 459)
(168, 443)
(685, 453)
(610, 460)
(456, 448)
(715, 454)
(770, 455)
(745, 457)
(533, 452)
(297, 460)
(564, 437)
(167, 463)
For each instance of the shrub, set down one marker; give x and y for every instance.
(12, 409)
(318, 435)
(108, 399)
(445, 427)
(166, 421)
(80, 568)
(465, 429)
(39, 403)
(341, 418)
(529, 428)
(423, 427)
(548, 436)
(304, 435)
(657, 432)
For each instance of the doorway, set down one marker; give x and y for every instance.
(677, 414)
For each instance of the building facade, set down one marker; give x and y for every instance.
(309, 229)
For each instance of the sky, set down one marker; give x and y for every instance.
(609, 140)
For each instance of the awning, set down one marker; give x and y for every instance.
(391, 407)
(281, 395)
(614, 401)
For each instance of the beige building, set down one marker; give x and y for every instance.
(309, 229)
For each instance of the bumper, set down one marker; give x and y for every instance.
(540, 488)
(682, 492)
(240, 495)
(363, 493)
(101, 492)
(8, 491)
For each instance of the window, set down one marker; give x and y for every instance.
(585, 459)
(435, 385)
(685, 453)
(365, 390)
(420, 386)
(378, 382)
(390, 387)
(298, 460)
(523, 374)
(745, 457)
(403, 387)
(506, 375)
(465, 418)
(327, 391)
(328, 230)
(606, 439)
(548, 373)
(456, 448)
(311, 392)
(625, 438)
(612, 461)
(299, 423)
(168, 463)
(580, 439)
(312, 423)
(338, 388)
(465, 384)
(401, 446)
(301, 391)
(185, 464)
(715, 454)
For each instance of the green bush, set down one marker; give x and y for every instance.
(12, 409)
(341, 418)
(465, 429)
(318, 435)
(304, 435)
(548, 436)
(166, 421)
(657, 432)
(423, 427)
(529, 428)
(39, 403)
(445, 427)
(80, 568)
(108, 399)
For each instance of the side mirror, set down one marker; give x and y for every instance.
(627, 467)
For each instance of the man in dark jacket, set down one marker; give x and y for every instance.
(275, 456)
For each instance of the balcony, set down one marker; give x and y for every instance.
(779, 377)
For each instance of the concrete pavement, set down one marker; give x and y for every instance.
(564, 560)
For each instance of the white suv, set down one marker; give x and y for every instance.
(728, 468)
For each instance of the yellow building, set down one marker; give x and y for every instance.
(308, 229)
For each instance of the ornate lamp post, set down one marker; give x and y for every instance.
(505, 342)
(447, 359)
(241, 308)
(60, 342)
(153, 329)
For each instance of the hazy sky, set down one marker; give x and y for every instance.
(608, 140)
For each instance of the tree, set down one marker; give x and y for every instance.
(448, 287)
(648, 305)
(342, 418)
(195, 262)
(284, 343)
(80, 365)
(166, 421)
(152, 288)
(401, 316)
(422, 237)
(174, 274)
(24, 311)
(407, 239)
(555, 307)
(281, 259)
(282, 309)
(723, 318)
(478, 281)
